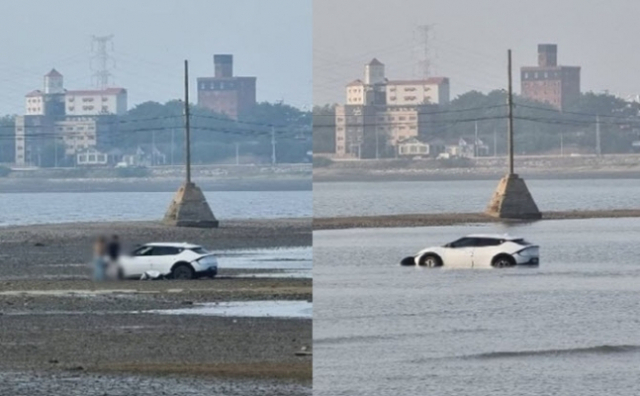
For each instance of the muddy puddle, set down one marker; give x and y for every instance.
(269, 263)
(252, 309)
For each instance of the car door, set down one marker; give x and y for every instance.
(484, 252)
(459, 254)
(163, 258)
(139, 262)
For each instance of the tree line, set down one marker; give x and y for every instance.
(538, 127)
(215, 138)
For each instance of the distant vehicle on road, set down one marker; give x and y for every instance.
(478, 251)
(173, 260)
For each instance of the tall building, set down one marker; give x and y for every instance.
(80, 119)
(379, 113)
(224, 93)
(556, 85)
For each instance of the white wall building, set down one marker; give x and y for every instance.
(76, 118)
(376, 89)
(416, 92)
(96, 102)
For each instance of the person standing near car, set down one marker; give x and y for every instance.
(99, 259)
(113, 251)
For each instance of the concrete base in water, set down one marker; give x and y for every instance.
(189, 208)
(512, 200)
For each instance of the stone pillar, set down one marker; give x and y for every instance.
(189, 208)
(512, 200)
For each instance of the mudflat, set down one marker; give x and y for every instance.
(61, 332)
(446, 219)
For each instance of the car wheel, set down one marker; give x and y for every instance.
(431, 261)
(503, 261)
(182, 272)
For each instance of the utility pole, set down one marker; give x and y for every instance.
(475, 144)
(189, 207)
(273, 146)
(598, 148)
(510, 125)
(495, 143)
(377, 152)
(187, 132)
(153, 148)
(172, 144)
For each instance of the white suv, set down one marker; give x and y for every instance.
(176, 260)
(478, 251)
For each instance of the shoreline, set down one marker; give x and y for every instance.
(44, 185)
(449, 219)
(321, 176)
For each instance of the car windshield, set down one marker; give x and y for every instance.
(199, 250)
(521, 242)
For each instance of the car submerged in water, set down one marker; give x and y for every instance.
(478, 251)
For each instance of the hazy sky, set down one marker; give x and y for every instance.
(269, 39)
(470, 41)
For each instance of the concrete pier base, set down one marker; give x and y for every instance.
(189, 208)
(512, 200)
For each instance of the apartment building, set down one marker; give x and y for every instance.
(79, 119)
(379, 112)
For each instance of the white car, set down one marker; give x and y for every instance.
(478, 251)
(175, 260)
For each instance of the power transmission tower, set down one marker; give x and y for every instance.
(423, 52)
(101, 61)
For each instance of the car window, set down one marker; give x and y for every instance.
(484, 242)
(165, 251)
(143, 251)
(521, 242)
(199, 250)
(463, 242)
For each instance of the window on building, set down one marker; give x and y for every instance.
(402, 118)
(393, 98)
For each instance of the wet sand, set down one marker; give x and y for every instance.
(446, 219)
(68, 335)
